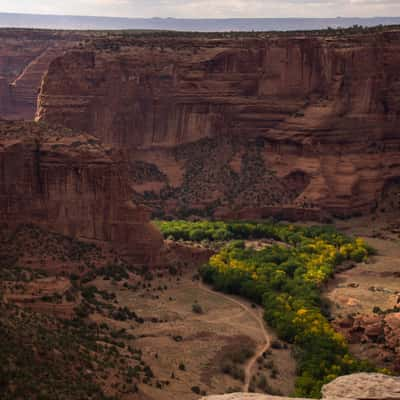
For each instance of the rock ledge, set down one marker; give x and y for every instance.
(360, 386)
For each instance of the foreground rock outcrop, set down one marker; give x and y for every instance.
(70, 183)
(356, 386)
(363, 386)
(302, 126)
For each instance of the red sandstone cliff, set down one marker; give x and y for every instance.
(241, 127)
(25, 56)
(71, 184)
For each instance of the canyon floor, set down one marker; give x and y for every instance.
(371, 284)
(174, 335)
(186, 339)
(192, 340)
(367, 289)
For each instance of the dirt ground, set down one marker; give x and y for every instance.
(173, 335)
(184, 332)
(370, 284)
(376, 283)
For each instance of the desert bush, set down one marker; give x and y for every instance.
(197, 309)
(182, 367)
(195, 389)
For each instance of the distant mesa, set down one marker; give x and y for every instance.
(203, 25)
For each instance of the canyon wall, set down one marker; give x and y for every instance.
(5, 97)
(25, 56)
(72, 184)
(299, 126)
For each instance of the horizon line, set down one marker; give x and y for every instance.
(193, 19)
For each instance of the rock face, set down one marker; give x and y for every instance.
(24, 90)
(355, 386)
(25, 56)
(381, 333)
(363, 386)
(299, 125)
(71, 184)
(5, 97)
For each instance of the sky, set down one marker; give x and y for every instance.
(207, 8)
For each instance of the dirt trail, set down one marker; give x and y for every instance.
(257, 315)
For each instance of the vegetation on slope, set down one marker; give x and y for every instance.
(64, 338)
(286, 278)
(41, 358)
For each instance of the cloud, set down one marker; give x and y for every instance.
(259, 8)
(108, 2)
(209, 8)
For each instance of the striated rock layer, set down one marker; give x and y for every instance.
(25, 56)
(72, 184)
(300, 126)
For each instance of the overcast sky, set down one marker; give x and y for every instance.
(207, 8)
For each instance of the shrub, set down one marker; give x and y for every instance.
(195, 389)
(196, 308)
(182, 367)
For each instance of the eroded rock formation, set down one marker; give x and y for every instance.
(72, 184)
(241, 128)
(379, 334)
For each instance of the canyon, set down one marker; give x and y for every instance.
(298, 126)
(61, 180)
(302, 127)
(102, 131)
